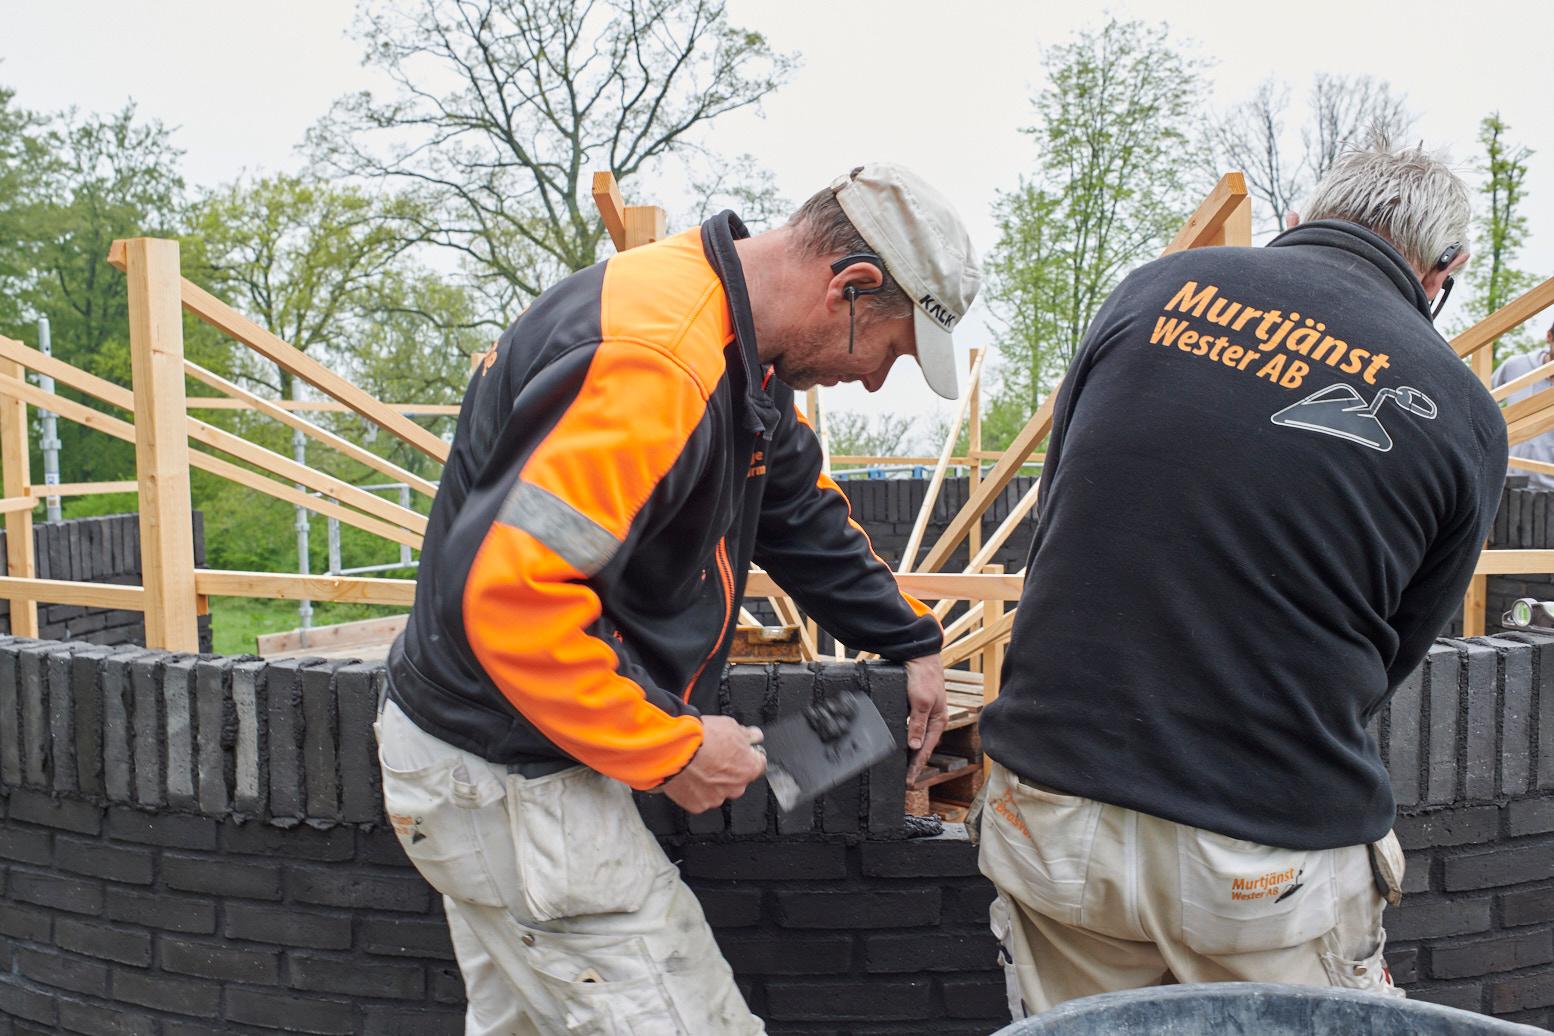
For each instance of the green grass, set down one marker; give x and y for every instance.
(236, 622)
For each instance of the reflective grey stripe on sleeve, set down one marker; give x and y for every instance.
(579, 540)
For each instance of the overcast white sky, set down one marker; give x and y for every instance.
(941, 87)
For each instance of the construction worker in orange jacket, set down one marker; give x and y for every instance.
(625, 453)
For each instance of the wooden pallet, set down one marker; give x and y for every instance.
(948, 787)
(761, 644)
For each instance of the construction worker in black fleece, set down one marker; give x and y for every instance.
(1267, 484)
(626, 452)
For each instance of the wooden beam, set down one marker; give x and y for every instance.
(930, 498)
(329, 406)
(974, 449)
(607, 197)
(161, 444)
(645, 224)
(16, 504)
(1473, 604)
(1512, 315)
(1237, 228)
(1540, 373)
(1515, 562)
(1542, 467)
(928, 586)
(967, 646)
(1207, 224)
(85, 488)
(313, 431)
(363, 632)
(16, 481)
(293, 360)
(64, 591)
(287, 587)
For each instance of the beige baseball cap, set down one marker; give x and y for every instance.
(926, 248)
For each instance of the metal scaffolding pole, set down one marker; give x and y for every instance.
(299, 453)
(50, 423)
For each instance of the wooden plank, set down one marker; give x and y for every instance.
(229, 321)
(363, 632)
(930, 498)
(967, 646)
(13, 504)
(1206, 225)
(98, 421)
(287, 587)
(313, 431)
(1542, 467)
(329, 406)
(993, 653)
(1514, 562)
(645, 224)
(612, 210)
(875, 460)
(85, 488)
(1516, 384)
(1508, 317)
(16, 482)
(161, 443)
(1473, 605)
(65, 591)
(1538, 403)
(931, 586)
(974, 451)
(1237, 228)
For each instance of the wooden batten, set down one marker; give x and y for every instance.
(20, 559)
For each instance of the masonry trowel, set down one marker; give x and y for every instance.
(811, 752)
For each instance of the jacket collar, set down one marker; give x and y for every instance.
(718, 235)
(1368, 245)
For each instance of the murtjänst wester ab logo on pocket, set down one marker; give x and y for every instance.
(1276, 886)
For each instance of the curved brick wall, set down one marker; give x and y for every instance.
(191, 845)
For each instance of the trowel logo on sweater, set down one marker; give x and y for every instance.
(1340, 410)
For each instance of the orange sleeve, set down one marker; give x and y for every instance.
(527, 601)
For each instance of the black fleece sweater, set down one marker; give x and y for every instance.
(1267, 483)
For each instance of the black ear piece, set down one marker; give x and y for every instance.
(850, 292)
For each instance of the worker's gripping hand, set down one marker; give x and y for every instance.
(723, 766)
(925, 694)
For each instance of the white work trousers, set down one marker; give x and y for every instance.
(566, 916)
(1093, 898)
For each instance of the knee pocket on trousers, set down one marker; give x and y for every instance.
(602, 985)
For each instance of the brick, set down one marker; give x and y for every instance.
(321, 781)
(1416, 872)
(250, 771)
(1404, 966)
(19, 922)
(92, 1020)
(63, 971)
(658, 812)
(304, 843)
(841, 808)
(10, 718)
(1481, 665)
(221, 876)
(447, 985)
(1431, 919)
(1502, 866)
(405, 938)
(212, 677)
(1533, 906)
(86, 693)
(777, 953)
(220, 961)
(117, 706)
(795, 690)
(1485, 956)
(47, 890)
(61, 721)
(887, 778)
(35, 807)
(1467, 825)
(380, 846)
(284, 718)
(1521, 993)
(102, 860)
(393, 1021)
(172, 830)
(1403, 741)
(159, 910)
(984, 997)
(930, 952)
(707, 822)
(25, 845)
(356, 695)
(730, 908)
(178, 717)
(145, 673)
(95, 939)
(358, 891)
(1516, 717)
(844, 910)
(752, 701)
(766, 861)
(31, 664)
(968, 904)
(317, 931)
(860, 1000)
(947, 856)
(1529, 817)
(1467, 996)
(20, 1001)
(352, 977)
(189, 996)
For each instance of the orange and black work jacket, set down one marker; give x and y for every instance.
(619, 461)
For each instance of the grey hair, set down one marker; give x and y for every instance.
(1410, 196)
(825, 232)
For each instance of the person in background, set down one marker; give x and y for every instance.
(1267, 484)
(1540, 447)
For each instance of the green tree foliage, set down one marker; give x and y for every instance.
(849, 433)
(1111, 185)
(1492, 276)
(501, 110)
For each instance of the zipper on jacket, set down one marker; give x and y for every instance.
(726, 577)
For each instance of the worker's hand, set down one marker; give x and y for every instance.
(722, 767)
(925, 693)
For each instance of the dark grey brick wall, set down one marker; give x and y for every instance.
(190, 844)
(98, 550)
